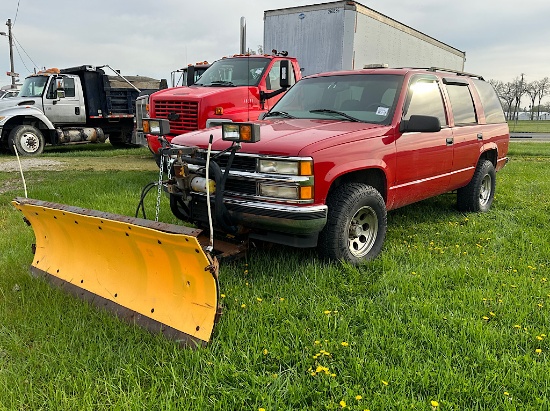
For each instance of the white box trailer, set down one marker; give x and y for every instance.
(345, 35)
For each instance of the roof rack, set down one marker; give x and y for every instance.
(459, 73)
(434, 69)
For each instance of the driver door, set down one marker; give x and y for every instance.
(63, 102)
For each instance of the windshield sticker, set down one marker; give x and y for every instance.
(382, 111)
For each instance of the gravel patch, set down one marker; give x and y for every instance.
(31, 164)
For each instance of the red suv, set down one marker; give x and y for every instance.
(339, 150)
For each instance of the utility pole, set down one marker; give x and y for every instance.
(10, 40)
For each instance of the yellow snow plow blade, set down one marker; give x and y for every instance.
(154, 274)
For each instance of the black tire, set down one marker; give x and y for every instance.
(356, 224)
(28, 141)
(478, 195)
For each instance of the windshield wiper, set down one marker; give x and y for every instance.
(278, 114)
(340, 113)
(220, 83)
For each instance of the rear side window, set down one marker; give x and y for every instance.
(462, 104)
(490, 102)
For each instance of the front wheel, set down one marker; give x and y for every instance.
(478, 195)
(27, 140)
(356, 225)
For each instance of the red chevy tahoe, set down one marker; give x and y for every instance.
(338, 150)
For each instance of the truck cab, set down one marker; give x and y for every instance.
(237, 88)
(59, 96)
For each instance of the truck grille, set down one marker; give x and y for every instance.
(240, 162)
(183, 115)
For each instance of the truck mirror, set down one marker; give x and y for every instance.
(60, 88)
(285, 73)
(190, 78)
(156, 126)
(420, 124)
(241, 132)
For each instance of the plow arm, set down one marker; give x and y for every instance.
(153, 274)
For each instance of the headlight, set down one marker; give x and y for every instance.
(287, 192)
(295, 168)
(268, 190)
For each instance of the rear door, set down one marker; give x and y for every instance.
(467, 134)
(424, 159)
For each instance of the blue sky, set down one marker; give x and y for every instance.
(501, 39)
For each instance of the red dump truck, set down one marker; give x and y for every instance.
(237, 88)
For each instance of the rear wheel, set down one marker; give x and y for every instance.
(356, 225)
(27, 140)
(478, 195)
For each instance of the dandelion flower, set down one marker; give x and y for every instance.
(261, 409)
(517, 326)
(344, 344)
(358, 397)
(327, 312)
(243, 305)
(434, 403)
(222, 295)
(485, 317)
(506, 393)
(265, 351)
(539, 337)
(538, 351)
(385, 382)
(258, 299)
(343, 404)
(492, 314)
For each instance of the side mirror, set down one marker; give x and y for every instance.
(60, 88)
(285, 73)
(420, 124)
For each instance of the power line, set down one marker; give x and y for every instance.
(22, 48)
(16, 12)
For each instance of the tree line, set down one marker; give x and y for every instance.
(511, 93)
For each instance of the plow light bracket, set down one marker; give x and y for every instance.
(241, 132)
(156, 126)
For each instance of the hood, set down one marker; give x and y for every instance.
(290, 137)
(195, 92)
(16, 101)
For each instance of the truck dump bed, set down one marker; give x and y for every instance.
(111, 96)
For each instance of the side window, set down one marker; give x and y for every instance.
(490, 102)
(462, 104)
(68, 87)
(424, 98)
(68, 84)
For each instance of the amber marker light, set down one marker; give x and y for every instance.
(306, 168)
(218, 111)
(306, 193)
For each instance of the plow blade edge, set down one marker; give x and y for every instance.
(154, 274)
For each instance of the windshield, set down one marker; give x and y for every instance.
(33, 86)
(368, 98)
(245, 71)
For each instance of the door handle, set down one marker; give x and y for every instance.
(77, 110)
(480, 136)
(449, 141)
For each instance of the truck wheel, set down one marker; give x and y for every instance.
(356, 224)
(478, 195)
(28, 141)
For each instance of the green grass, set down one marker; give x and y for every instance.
(528, 126)
(453, 311)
